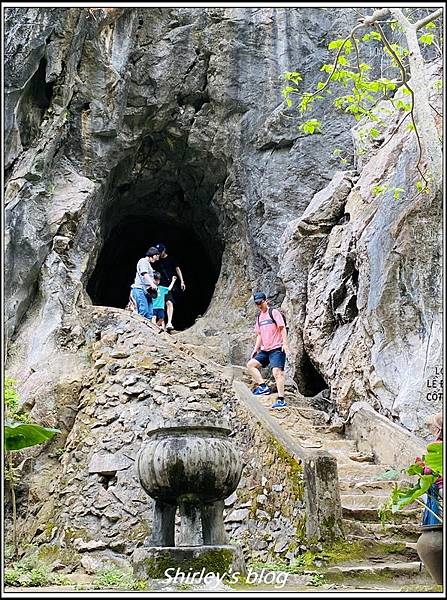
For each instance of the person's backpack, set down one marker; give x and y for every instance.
(271, 308)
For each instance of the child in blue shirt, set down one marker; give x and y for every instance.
(158, 303)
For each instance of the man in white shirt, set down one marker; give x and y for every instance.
(144, 283)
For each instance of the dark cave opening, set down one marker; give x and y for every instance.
(35, 101)
(167, 192)
(127, 242)
(309, 380)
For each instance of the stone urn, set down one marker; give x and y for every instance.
(194, 466)
(429, 547)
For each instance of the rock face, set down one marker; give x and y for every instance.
(156, 123)
(369, 305)
(125, 126)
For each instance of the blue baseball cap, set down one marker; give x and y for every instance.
(259, 297)
(160, 246)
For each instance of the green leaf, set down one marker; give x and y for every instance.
(335, 44)
(293, 76)
(374, 133)
(402, 497)
(287, 90)
(388, 475)
(311, 127)
(378, 189)
(433, 458)
(427, 39)
(347, 48)
(397, 193)
(20, 435)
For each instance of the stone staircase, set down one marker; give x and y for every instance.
(379, 552)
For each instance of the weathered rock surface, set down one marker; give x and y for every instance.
(183, 104)
(175, 115)
(368, 305)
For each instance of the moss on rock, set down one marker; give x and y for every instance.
(213, 560)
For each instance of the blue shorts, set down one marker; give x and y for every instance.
(159, 313)
(276, 358)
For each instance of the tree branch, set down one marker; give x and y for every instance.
(377, 14)
(404, 78)
(428, 19)
(395, 129)
(436, 111)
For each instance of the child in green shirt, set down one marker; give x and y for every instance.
(158, 303)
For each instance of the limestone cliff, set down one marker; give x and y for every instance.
(368, 304)
(125, 126)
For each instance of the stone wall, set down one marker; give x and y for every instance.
(83, 503)
(266, 514)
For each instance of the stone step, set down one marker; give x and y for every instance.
(361, 471)
(349, 500)
(342, 455)
(339, 444)
(393, 548)
(370, 515)
(376, 570)
(390, 532)
(354, 485)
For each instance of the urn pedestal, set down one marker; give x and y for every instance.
(191, 467)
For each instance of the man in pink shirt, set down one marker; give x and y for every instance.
(271, 347)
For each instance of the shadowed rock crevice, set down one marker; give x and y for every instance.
(309, 379)
(35, 101)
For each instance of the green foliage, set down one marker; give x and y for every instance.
(10, 396)
(19, 432)
(347, 72)
(427, 39)
(397, 192)
(422, 187)
(311, 127)
(117, 579)
(293, 76)
(352, 83)
(427, 471)
(30, 572)
(317, 579)
(378, 189)
(25, 435)
(341, 155)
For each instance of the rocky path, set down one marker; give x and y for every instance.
(379, 552)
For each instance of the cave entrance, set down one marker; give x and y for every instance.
(167, 192)
(128, 241)
(190, 233)
(309, 380)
